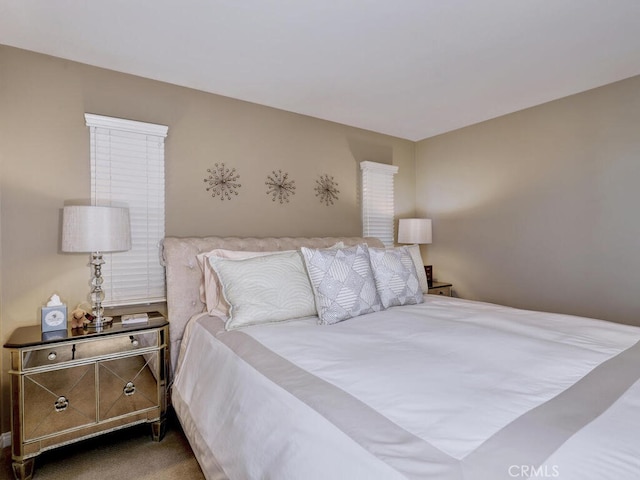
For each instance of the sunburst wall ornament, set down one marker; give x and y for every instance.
(279, 186)
(327, 189)
(223, 182)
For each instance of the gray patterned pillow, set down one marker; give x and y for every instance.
(342, 282)
(396, 277)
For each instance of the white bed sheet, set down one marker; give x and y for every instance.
(446, 389)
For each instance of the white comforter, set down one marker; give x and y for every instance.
(448, 389)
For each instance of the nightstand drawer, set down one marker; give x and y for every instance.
(60, 353)
(440, 288)
(441, 291)
(52, 355)
(116, 344)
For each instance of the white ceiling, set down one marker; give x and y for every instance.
(408, 68)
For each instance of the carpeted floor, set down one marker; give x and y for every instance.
(127, 454)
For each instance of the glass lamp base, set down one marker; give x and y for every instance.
(105, 322)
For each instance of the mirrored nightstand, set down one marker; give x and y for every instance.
(82, 383)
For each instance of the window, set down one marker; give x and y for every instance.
(127, 167)
(377, 201)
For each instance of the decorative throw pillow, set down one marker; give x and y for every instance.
(395, 275)
(342, 282)
(414, 250)
(210, 288)
(265, 289)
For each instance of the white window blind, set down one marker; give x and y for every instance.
(377, 201)
(127, 168)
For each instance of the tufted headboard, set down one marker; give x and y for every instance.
(183, 275)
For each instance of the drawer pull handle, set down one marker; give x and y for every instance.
(134, 341)
(129, 389)
(52, 356)
(61, 404)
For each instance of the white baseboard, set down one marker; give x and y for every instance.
(5, 440)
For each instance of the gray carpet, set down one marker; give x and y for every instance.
(126, 454)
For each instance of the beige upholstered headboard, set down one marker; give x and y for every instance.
(183, 275)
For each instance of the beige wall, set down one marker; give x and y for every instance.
(44, 160)
(539, 209)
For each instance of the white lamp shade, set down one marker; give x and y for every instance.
(414, 230)
(95, 229)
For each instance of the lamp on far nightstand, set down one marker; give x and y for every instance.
(416, 231)
(96, 230)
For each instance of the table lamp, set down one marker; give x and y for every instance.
(417, 231)
(96, 230)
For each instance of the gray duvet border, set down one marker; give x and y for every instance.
(531, 438)
(528, 440)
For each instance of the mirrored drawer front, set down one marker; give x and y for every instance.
(59, 400)
(66, 352)
(127, 385)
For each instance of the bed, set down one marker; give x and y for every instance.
(431, 388)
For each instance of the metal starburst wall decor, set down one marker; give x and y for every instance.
(223, 182)
(327, 189)
(279, 186)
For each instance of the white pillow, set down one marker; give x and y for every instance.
(414, 250)
(210, 288)
(342, 282)
(395, 275)
(265, 289)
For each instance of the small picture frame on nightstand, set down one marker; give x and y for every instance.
(428, 269)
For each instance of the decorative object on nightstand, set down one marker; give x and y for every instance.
(54, 315)
(85, 384)
(417, 231)
(96, 230)
(428, 270)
